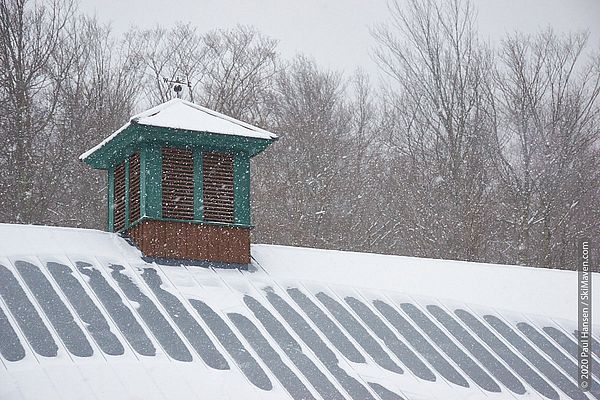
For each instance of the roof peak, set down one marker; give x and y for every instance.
(145, 118)
(183, 115)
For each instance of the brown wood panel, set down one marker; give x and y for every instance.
(134, 188)
(218, 187)
(178, 184)
(119, 199)
(190, 241)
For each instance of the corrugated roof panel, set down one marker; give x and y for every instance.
(26, 315)
(154, 319)
(384, 393)
(360, 334)
(293, 350)
(503, 351)
(477, 350)
(61, 318)
(120, 313)
(326, 325)
(420, 344)
(185, 321)
(10, 345)
(436, 335)
(87, 310)
(234, 347)
(569, 366)
(405, 354)
(327, 357)
(261, 345)
(549, 370)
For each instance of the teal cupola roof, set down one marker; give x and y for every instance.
(179, 162)
(178, 122)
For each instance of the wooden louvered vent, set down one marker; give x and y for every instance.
(218, 187)
(134, 188)
(119, 200)
(178, 184)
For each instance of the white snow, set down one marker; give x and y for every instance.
(541, 297)
(552, 293)
(182, 114)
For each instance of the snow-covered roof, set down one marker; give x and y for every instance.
(184, 115)
(83, 315)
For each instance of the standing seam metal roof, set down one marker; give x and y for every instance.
(81, 313)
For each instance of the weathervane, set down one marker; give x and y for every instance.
(177, 85)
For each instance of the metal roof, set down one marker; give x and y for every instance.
(83, 315)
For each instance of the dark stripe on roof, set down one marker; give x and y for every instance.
(26, 315)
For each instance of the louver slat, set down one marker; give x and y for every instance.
(134, 187)
(119, 200)
(178, 184)
(218, 187)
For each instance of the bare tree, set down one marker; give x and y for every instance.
(230, 71)
(65, 84)
(33, 67)
(239, 68)
(440, 129)
(169, 54)
(548, 158)
(310, 188)
(97, 98)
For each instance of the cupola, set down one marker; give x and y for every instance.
(179, 182)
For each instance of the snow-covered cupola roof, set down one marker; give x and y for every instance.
(183, 117)
(181, 171)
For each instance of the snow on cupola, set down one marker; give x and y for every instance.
(179, 182)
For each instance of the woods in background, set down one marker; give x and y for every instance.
(460, 151)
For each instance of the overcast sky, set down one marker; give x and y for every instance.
(336, 32)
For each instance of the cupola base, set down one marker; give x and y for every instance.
(177, 240)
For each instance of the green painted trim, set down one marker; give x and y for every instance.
(153, 189)
(127, 208)
(198, 185)
(110, 213)
(136, 136)
(241, 192)
(189, 221)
